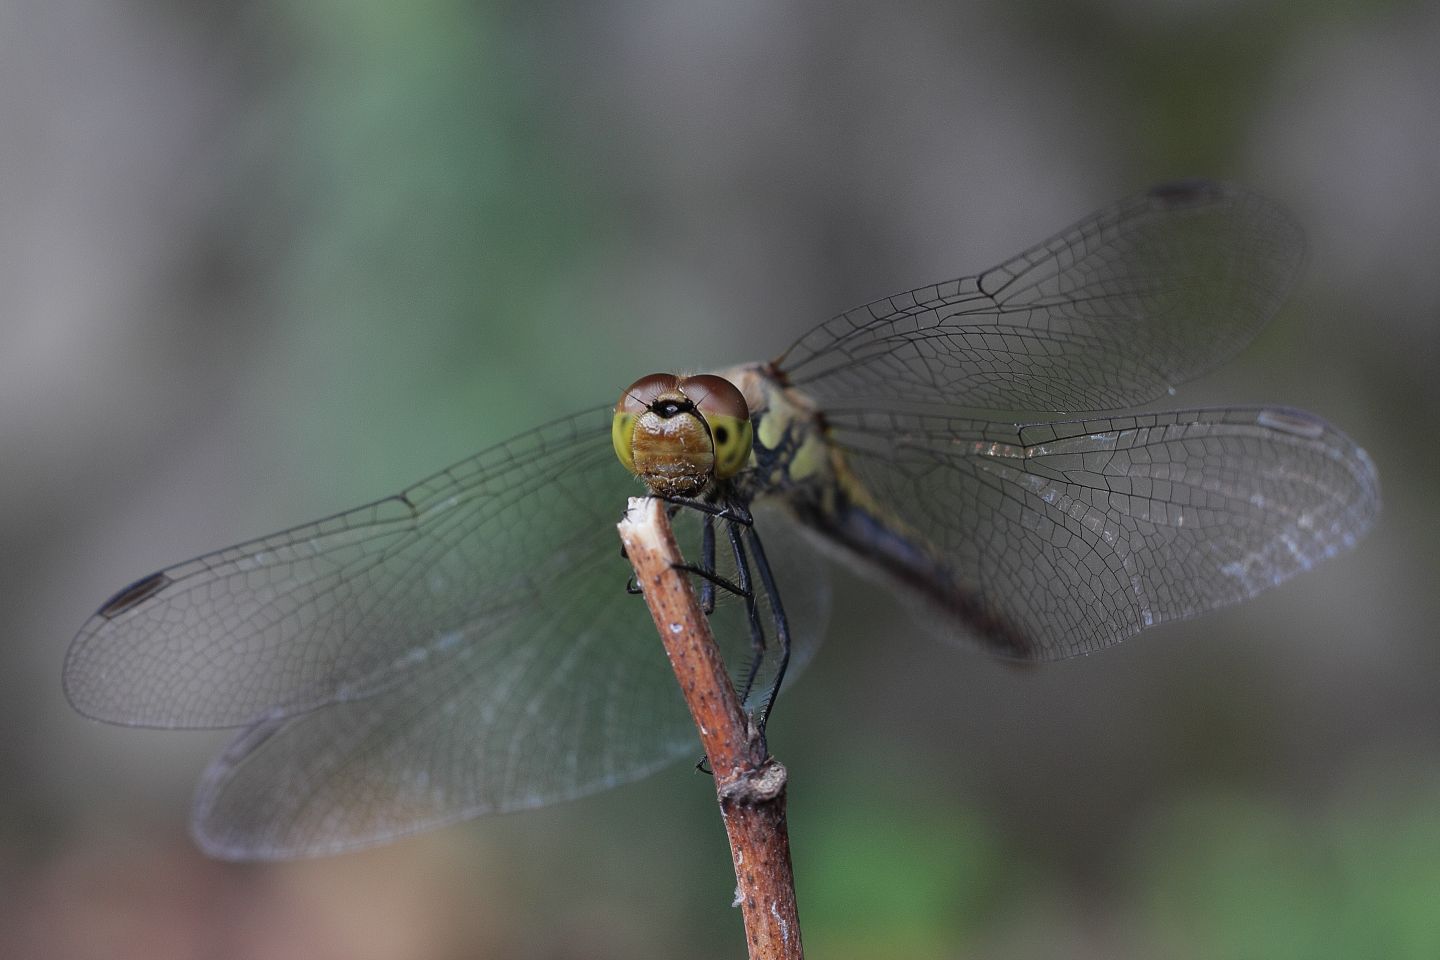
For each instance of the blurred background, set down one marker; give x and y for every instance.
(263, 261)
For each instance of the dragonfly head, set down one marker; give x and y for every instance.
(678, 434)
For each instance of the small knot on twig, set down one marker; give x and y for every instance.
(756, 787)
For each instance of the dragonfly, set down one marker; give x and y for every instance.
(980, 446)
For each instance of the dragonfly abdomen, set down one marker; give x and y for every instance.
(876, 543)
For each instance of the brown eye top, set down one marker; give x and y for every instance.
(638, 397)
(715, 396)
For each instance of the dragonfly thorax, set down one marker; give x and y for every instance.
(680, 434)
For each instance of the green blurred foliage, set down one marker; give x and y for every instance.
(1216, 875)
(444, 231)
(881, 881)
(1234, 876)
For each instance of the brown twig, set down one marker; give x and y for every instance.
(749, 784)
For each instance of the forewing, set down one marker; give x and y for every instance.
(1059, 539)
(338, 609)
(1108, 314)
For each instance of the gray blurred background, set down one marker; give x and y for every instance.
(260, 262)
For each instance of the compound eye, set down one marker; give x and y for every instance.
(638, 397)
(727, 415)
(715, 395)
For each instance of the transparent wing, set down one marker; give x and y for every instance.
(1107, 314)
(465, 647)
(1057, 539)
(336, 608)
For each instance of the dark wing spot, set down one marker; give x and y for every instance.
(1187, 193)
(135, 594)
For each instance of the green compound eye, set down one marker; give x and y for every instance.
(622, 432)
(727, 415)
(733, 438)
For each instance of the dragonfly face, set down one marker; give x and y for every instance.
(681, 434)
(467, 646)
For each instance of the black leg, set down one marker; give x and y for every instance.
(777, 610)
(707, 562)
(706, 569)
(728, 511)
(752, 610)
(710, 576)
(738, 517)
